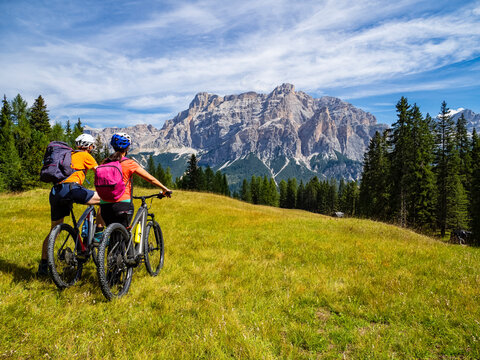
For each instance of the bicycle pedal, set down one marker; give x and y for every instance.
(83, 256)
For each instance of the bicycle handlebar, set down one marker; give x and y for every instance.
(159, 195)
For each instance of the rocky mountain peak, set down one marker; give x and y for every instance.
(203, 101)
(280, 128)
(283, 89)
(199, 101)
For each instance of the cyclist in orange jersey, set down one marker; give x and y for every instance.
(69, 191)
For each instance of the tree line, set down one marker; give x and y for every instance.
(195, 178)
(24, 135)
(325, 197)
(423, 173)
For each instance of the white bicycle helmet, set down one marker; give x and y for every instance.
(84, 141)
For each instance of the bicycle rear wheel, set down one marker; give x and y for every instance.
(65, 267)
(114, 274)
(153, 248)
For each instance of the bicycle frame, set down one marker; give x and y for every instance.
(88, 214)
(141, 217)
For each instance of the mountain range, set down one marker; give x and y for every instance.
(283, 134)
(473, 120)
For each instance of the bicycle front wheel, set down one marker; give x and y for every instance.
(153, 248)
(65, 266)
(94, 252)
(114, 274)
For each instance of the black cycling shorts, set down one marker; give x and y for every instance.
(119, 212)
(62, 197)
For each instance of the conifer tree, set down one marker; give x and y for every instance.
(97, 152)
(218, 186)
(22, 133)
(401, 161)
(77, 129)
(374, 189)
(341, 185)
(301, 196)
(151, 169)
(209, 176)
(322, 197)
(475, 187)
(19, 109)
(291, 194)
(245, 193)
(160, 174)
(464, 147)
(273, 193)
(225, 188)
(58, 134)
(168, 178)
(71, 142)
(191, 175)
(310, 195)
(451, 204)
(202, 181)
(12, 176)
(178, 183)
(421, 180)
(39, 119)
(457, 202)
(264, 191)
(350, 198)
(40, 135)
(255, 190)
(332, 197)
(283, 194)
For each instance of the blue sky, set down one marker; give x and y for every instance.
(120, 63)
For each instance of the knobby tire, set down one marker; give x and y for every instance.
(154, 248)
(63, 262)
(114, 274)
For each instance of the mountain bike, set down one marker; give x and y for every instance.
(70, 247)
(122, 249)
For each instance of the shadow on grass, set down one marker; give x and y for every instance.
(20, 273)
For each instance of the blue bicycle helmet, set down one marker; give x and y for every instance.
(120, 141)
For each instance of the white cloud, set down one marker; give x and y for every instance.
(148, 102)
(230, 47)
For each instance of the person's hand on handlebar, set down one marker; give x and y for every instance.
(167, 193)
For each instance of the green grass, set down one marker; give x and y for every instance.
(247, 282)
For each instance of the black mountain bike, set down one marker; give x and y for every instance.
(69, 248)
(122, 249)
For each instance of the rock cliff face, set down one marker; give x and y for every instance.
(282, 123)
(325, 137)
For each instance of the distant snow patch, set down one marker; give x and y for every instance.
(226, 164)
(452, 112)
(284, 166)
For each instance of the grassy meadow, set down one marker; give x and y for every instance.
(245, 282)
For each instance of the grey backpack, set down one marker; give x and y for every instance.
(57, 163)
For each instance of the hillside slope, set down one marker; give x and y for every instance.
(247, 282)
